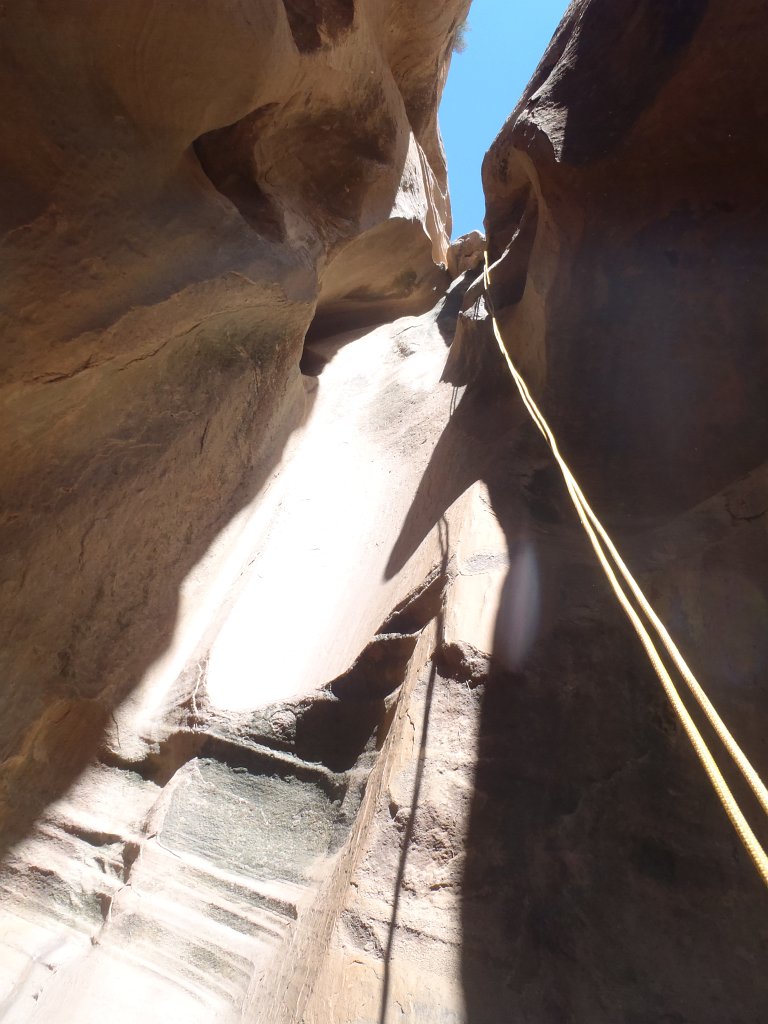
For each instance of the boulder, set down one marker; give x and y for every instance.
(466, 253)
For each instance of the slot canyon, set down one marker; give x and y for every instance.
(315, 705)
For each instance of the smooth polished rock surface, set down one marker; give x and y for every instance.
(185, 190)
(179, 184)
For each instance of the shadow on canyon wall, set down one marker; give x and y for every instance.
(602, 881)
(421, 763)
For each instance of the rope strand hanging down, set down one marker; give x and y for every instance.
(603, 547)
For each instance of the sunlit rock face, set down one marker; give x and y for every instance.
(179, 186)
(466, 253)
(185, 188)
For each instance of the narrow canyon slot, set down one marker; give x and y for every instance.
(315, 706)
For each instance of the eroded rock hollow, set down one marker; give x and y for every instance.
(314, 705)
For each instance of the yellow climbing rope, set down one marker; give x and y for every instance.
(603, 547)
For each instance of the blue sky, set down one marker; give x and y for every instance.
(505, 42)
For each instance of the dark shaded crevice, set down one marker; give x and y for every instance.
(382, 666)
(315, 23)
(418, 609)
(254, 759)
(456, 298)
(396, 294)
(378, 671)
(509, 273)
(473, 359)
(227, 158)
(338, 734)
(463, 663)
(255, 755)
(312, 362)
(745, 518)
(130, 855)
(163, 761)
(507, 213)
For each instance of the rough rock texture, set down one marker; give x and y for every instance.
(316, 709)
(466, 253)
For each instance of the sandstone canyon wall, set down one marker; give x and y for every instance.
(314, 706)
